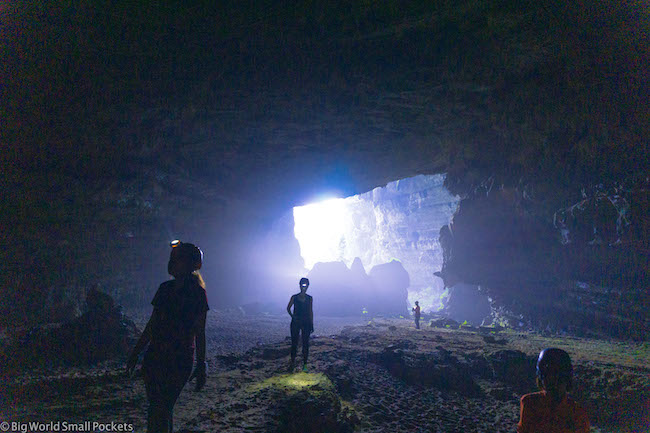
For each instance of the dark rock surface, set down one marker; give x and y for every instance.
(439, 370)
(466, 303)
(444, 323)
(351, 381)
(338, 372)
(208, 122)
(513, 368)
(537, 276)
(102, 332)
(312, 411)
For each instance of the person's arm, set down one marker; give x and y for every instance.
(311, 313)
(144, 339)
(523, 425)
(199, 335)
(289, 307)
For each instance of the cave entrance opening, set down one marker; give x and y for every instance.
(397, 222)
(321, 229)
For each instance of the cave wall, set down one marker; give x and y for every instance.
(112, 152)
(409, 214)
(549, 269)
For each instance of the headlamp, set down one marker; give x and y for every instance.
(175, 243)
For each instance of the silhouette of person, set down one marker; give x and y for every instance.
(178, 319)
(416, 310)
(552, 410)
(302, 322)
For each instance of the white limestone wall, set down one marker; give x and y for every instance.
(399, 221)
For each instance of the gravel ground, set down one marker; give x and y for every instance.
(610, 379)
(230, 331)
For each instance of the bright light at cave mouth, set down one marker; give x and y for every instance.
(319, 229)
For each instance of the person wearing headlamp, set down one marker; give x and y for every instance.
(552, 410)
(302, 322)
(177, 321)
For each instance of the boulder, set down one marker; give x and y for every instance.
(339, 374)
(515, 369)
(339, 291)
(438, 369)
(466, 303)
(307, 411)
(304, 403)
(269, 353)
(391, 282)
(444, 323)
(101, 332)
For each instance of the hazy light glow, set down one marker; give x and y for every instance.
(294, 380)
(319, 229)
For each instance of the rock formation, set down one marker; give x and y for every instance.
(340, 291)
(537, 112)
(102, 332)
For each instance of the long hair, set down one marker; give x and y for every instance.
(196, 276)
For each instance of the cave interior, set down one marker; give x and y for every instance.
(500, 146)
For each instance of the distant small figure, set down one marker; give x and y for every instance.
(552, 410)
(302, 321)
(178, 318)
(416, 310)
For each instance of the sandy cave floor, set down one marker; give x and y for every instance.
(238, 353)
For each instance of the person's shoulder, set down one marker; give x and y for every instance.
(532, 398)
(165, 286)
(162, 294)
(308, 296)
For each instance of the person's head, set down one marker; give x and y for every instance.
(416, 303)
(304, 284)
(554, 372)
(184, 259)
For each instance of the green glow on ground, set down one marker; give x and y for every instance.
(295, 381)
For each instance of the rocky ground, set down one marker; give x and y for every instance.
(379, 375)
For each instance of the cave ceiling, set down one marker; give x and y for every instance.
(118, 113)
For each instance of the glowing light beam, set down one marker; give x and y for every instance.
(319, 229)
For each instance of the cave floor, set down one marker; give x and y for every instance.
(612, 381)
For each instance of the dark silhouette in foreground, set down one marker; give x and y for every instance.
(302, 322)
(552, 410)
(180, 308)
(416, 311)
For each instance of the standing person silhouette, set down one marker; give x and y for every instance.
(552, 410)
(302, 321)
(178, 319)
(416, 310)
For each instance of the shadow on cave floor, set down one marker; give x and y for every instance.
(380, 376)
